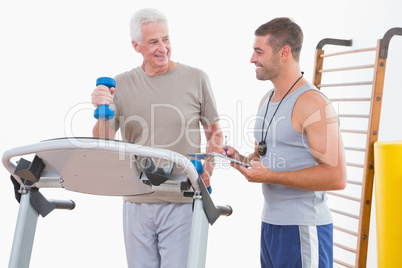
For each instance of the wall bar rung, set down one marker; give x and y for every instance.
(344, 247)
(354, 131)
(364, 83)
(345, 230)
(354, 115)
(345, 214)
(350, 99)
(354, 182)
(354, 165)
(347, 68)
(343, 263)
(348, 52)
(355, 149)
(344, 196)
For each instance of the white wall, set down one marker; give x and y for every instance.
(52, 52)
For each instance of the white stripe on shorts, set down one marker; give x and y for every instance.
(309, 246)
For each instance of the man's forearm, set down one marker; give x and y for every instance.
(214, 137)
(102, 130)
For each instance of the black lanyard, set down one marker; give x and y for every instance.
(262, 145)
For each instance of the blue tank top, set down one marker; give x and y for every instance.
(288, 150)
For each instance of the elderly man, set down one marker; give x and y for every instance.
(159, 104)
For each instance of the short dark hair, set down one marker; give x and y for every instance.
(283, 31)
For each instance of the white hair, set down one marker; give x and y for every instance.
(141, 17)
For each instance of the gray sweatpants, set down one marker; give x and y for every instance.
(157, 235)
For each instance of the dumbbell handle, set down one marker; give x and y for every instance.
(104, 113)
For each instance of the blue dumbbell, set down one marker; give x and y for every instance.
(104, 112)
(198, 166)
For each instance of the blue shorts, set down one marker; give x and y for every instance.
(296, 246)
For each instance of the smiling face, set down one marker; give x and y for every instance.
(266, 60)
(155, 48)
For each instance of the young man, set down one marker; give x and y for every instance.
(298, 154)
(159, 104)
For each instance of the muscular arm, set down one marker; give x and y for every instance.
(314, 116)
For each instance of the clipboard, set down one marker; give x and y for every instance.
(213, 156)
